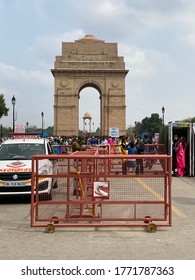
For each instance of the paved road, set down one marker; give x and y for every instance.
(20, 241)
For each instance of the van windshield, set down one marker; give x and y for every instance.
(20, 151)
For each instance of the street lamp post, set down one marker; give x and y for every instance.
(13, 103)
(163, 113)
(27, 126)
(1, 131)
(42, 116)
(135, 128)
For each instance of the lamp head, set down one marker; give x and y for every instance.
(163, 109)
(13, 100)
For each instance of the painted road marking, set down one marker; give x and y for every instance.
(159, 197)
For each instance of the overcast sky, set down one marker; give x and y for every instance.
(156, 38)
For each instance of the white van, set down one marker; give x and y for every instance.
(15, 167)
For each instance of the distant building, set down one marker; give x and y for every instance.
(87, 116)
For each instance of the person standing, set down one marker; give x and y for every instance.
(76, 145)
(54, 143)
(180, 156)
(140, 147)
(123, 151)
(174, 160)
(131, 151)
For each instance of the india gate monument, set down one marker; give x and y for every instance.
(89, 62)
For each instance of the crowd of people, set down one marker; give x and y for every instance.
(127, 145)
(137, 146)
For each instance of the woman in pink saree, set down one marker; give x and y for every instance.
(180, 156)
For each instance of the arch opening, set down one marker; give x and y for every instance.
(89, 109)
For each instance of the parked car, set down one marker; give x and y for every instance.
(16, 167)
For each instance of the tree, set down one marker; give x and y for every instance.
(150, 125)
(3, 109)
(49, 131)
(130, 132)
(191, 120)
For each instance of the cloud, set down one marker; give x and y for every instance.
(33, 85)
(188, 33)
(146, 63)
(10, 75)
(112, 9)
(46, 47)
(31, 90)
(190, 39)
(136, 61)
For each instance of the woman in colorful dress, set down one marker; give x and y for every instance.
(180, 156)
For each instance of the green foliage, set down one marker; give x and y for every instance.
(49, 130)
(97, 132)
(130, 132)
(190, 120)
(90, 134)
(3, 109)
(4, 131)
(150, 125)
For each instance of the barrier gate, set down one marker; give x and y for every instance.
(91, 188)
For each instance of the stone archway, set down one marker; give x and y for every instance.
(89, 62)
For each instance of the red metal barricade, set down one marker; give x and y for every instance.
(92, 189)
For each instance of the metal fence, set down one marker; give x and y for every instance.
(92, 189)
